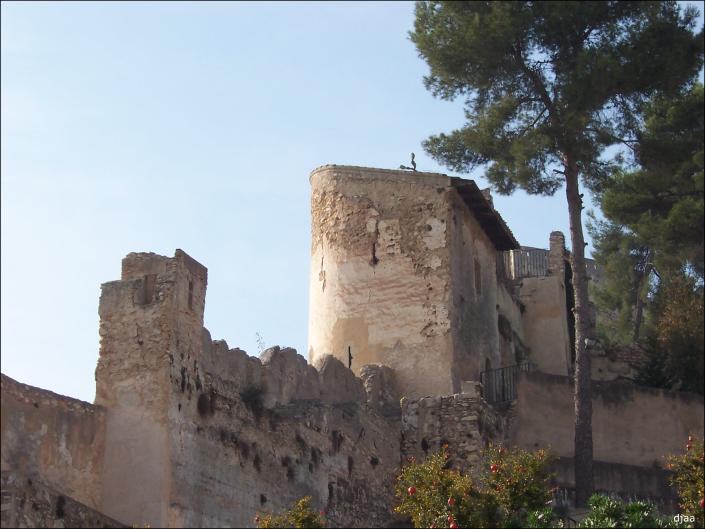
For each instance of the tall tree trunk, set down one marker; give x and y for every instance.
(639, 307)
(584, 483)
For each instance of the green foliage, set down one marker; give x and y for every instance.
(548, 87)
(544, 79)
(424, 490)
(626, 276)
(609, 512)
(512, 484)
(661, 203)
(518, 479)
(651, 246)
(300, 515)
(679, 332)
(689, 480)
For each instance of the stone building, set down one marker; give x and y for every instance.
(423, 305)
(419, 272)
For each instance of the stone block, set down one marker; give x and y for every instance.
(338, 383)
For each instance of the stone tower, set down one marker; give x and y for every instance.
(403, 273)
(151, 323)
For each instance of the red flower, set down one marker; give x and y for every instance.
(453, 526)
(411, 491)
(322, 513)
(493, 468)
(702, 503)
(451, 502)
(450, 519)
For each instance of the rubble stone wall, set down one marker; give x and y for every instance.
(464, 422)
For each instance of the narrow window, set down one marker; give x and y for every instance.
(190, 294)
(150, 282)
(478, 278)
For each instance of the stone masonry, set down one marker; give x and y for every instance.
(417, 276)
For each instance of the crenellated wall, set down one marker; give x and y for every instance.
(187, 432)
(202, 435)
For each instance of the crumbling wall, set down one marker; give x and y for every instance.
(617, 362)
(380, 273)
(147, 324)
(28, 502)
(210, 435)
(58, 439)
(284, 430)
(463, 421)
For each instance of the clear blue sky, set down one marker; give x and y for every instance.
(154, 126)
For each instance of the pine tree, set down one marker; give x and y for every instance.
(659, 207)
(548, 86)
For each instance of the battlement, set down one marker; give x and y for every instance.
(187, 432)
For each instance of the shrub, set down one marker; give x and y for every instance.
(300, 515)
(609, 512)
(512, 483)
(519, 481)
(688, 480)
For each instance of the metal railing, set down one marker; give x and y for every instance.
(500, 385)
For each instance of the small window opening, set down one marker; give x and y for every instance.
(150, 282)
(478, 278)
(190, 294)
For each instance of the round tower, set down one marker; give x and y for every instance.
(380, 273)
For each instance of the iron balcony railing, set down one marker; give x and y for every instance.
(500, 385)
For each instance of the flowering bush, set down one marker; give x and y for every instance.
(519, 481)
(300, 515)
(512, 483)
(688, 480)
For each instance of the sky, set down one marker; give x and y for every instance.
(146, 127)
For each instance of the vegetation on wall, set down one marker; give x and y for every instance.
(299, 515)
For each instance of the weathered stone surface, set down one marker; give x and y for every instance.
(631, 424)
(381, 388)
(58, 438)
(338, 383)
(464, 422)
(188, 432)
(288, 377)
(27, 502)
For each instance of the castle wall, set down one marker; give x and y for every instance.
(545, 323)
(60, 439)
(546, 319)
(476, 340)
(463, 421)
(380, 280)
(201, 435)
(252, 443)
(28, 502)
(631, 425)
